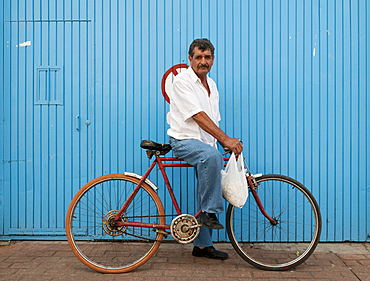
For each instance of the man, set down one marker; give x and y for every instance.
(194, 131)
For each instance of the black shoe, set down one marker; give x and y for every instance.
(209, 220)
(209, 252)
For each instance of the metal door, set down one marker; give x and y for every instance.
(46, 121)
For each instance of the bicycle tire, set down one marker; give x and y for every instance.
(276, 247)
(106, 248)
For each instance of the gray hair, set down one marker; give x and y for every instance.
(202, 44)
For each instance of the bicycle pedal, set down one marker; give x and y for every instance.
(194, 226)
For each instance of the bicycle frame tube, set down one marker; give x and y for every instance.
(134, 192)
(161, 167)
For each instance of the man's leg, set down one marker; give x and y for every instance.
(208, 162)
(203, 245)
(204, 238)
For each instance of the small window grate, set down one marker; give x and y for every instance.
(49, 90)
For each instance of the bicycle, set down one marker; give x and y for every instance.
(115, 223)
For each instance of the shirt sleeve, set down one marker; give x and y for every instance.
(185, 99)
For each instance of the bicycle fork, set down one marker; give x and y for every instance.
(253, 186)
(252, 183)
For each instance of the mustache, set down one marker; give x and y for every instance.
(203, 65)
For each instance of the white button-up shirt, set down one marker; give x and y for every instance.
(188, 97)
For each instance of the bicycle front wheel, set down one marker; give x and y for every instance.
(280, 246)
(94, 236)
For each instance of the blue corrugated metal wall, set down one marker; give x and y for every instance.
(80, 88)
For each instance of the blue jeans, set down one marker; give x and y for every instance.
(208, 163)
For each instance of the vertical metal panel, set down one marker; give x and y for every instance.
(2, 117)
(292, 75)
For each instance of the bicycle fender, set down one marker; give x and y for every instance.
(147, 181)
(257, 175)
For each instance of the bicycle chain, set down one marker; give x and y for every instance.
(148, 239)
(151, 216)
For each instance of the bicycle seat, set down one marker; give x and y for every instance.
(163, 148)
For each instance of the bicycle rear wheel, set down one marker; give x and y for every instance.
(94, 238)
(288, 243)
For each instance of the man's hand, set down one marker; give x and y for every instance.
(234, 144)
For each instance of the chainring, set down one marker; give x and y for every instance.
(185, 228)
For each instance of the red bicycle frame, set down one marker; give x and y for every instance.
(159, 160)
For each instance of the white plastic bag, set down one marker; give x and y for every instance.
(234, 183)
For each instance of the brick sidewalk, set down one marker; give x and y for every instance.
(55, 261)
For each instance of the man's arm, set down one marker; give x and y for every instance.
(203, 120)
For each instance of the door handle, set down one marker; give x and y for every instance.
(77, 122)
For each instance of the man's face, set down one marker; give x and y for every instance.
(202, 61)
